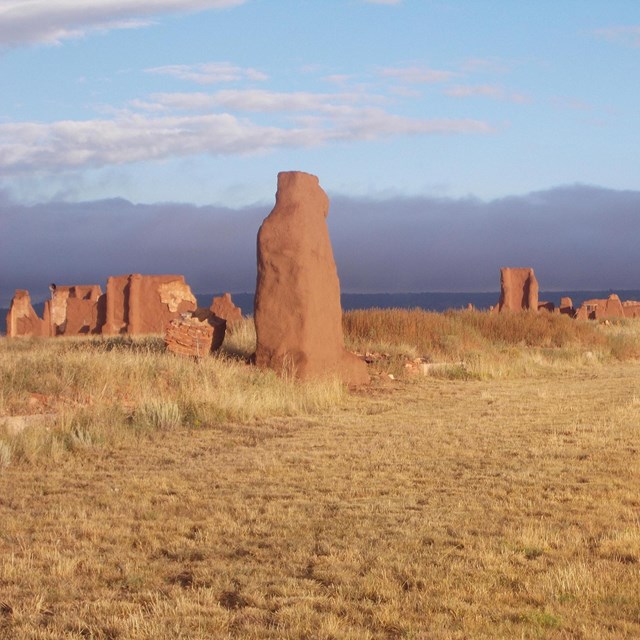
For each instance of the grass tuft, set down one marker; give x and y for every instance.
(159, 414)
(5, 454)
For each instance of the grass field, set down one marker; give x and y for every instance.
(144, 496)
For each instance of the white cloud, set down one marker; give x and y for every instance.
(373, 123)
(28, 146)
(487, 65)
(629, 35)
(209, 72)
(488, 91)
(134, 138)
(339, 78)
(51, 21)
(257, 101)
(417, 74)
(574, 104)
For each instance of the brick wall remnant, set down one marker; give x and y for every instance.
(195, 334)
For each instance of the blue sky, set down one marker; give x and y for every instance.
(148, 101)
(440, 118)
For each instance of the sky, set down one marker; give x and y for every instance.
(452, 136)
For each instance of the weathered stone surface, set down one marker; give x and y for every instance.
(584, 312)
(613, 307)
(223, 307)
(297, 304)
(631, 308)
(601, 308)
(518, 289)
(546, 306)
(74, 310)
(566, 306)
(196, 334)
(219, 325)
(22, 320)
(142, 304)
(133, 304)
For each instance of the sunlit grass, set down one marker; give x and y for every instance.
(147, 496)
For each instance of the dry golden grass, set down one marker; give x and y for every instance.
(458, 333)
(483, 345)
(497, 506)
(101, 391)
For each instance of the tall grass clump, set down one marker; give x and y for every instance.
(487, 345)
(5, 454)
(623, 338)
(159, 414)
(240, 339)
(454, 334)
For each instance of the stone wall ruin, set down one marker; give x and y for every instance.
(195, 334)
(22, 320)
(607, 308)
(133, 304)
(223, 307)
(142, 304)
(74, 310)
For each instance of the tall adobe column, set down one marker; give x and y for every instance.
(518, 289)
(298, 315)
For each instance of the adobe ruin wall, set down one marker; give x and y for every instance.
(133, 304)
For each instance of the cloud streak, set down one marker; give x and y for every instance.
(52, 21)
(209, 72)
(487, 91)
(417, 74)
(136, 137)
(626, 35)
(259, 101)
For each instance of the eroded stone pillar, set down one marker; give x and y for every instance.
(298, 315)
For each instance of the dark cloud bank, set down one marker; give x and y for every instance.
(576, 237)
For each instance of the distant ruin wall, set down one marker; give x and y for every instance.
(631, 309)
(74, 310)
(603, 308)
(142, 304)
(518, 289)
(566, 307)
(223, 307)
(133, 304)
(22, 320)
